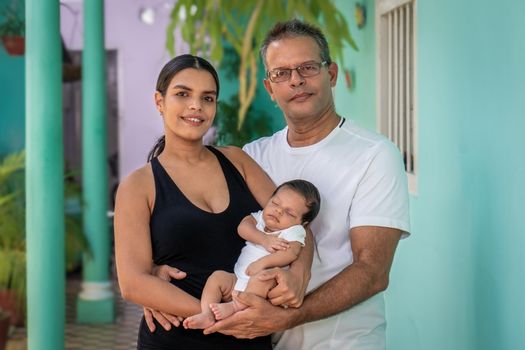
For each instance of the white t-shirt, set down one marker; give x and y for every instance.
(362, 182)
(252, 252)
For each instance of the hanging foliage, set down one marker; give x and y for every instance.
(206, 25)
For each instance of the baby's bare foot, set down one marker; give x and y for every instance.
(222, 310)
(199, 321)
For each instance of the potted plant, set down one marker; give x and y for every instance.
(12, 30)
(12, 241)
(4, 328)
(12, 235)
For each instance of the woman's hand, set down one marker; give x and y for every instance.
(166, 273)
(164, 319)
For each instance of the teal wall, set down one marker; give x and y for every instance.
(358, 103)
(457, 283)
(12, 104)
(261, 102)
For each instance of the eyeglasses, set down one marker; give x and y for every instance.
(279, 75)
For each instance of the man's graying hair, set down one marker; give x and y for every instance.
(296, 28)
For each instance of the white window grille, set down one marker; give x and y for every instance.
(396, 79)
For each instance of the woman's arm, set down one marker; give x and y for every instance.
(259, 183)
(133, 250)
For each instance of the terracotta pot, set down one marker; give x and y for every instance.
(14, 45)
(4, 328)
(9, 303)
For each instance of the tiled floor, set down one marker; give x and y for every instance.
(122, 335)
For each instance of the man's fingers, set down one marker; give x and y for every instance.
(249, 299)
(218, 327)
(295, 303)
(288, 300)
(268, 274)
(149, 319)
(221, 326)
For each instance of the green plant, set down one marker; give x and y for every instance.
(13, 23)
(12, 227)
(12, 258)
(206, 25)
(256, 124)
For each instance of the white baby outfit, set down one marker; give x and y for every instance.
(252, 252)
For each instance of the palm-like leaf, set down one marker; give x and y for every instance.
(207, 24)
(12, 226)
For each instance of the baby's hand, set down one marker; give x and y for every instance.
(272, 243)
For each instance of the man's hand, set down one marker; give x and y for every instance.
(166, 273)
(273, 243)
(259, 319)
(289, 290)
(254, 268)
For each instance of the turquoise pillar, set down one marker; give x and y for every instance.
(44, 177)
(95, 303)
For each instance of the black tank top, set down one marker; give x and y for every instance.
(197, 242)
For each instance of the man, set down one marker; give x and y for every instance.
(364, 193)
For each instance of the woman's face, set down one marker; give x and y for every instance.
(189, 105)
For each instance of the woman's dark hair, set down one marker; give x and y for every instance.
(167, 73)
(311, 196)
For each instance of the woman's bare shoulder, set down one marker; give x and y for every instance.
(235, 153)
(140, 182)
(236, 156)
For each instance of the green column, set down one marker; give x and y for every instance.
(44, 177)
(95, 303)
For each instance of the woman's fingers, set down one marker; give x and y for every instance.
(164, 322)
(148, 316)
(174, 320)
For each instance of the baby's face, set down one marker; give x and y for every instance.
(285, 209)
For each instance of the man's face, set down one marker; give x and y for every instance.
(299, 97)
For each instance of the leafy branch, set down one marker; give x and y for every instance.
(206, 25)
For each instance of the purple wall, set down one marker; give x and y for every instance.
(141, 54)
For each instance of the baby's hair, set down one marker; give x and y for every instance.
(311, 196)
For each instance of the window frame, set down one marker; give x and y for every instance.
(384, 103)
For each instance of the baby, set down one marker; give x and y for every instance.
(274, 238)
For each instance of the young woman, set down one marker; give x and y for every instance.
(183, 207)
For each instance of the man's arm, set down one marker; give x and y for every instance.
(373, 249)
